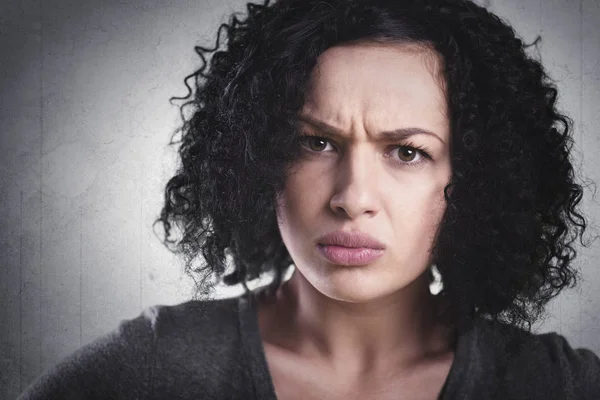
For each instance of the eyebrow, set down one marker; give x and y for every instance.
(395, 135)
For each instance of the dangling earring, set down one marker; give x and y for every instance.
(436, 285)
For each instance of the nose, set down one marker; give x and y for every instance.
(356, 191)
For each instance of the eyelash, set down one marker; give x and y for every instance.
(408, 144)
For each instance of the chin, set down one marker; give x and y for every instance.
(358, 284)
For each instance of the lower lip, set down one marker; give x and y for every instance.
(349, 255)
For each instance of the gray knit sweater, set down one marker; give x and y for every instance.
(212, 350)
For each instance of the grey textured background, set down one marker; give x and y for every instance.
(85, 121)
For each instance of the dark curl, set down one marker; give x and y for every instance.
(504, 246)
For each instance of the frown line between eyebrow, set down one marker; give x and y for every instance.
(395, 135)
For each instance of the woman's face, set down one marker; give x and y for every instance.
(355, 179)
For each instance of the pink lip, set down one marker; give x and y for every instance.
(351, 239)
(349, 255)
(350, 248)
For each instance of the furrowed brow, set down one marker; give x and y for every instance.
(393, 135)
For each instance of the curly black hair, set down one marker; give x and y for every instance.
(504, 245)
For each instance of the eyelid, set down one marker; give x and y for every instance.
(424, 152)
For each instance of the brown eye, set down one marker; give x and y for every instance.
(407, 154)
(317, 142)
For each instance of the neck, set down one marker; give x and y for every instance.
(356, 339)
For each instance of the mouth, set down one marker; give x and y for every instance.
(352, 239)
(341, 255)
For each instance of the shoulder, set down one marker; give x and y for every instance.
(163, 345)
(198, 350)
(194, 330)
(529, 364)
(206, 317)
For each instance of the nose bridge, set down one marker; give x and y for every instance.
(358, 166)
(356, 181)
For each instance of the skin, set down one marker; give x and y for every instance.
(367, 323)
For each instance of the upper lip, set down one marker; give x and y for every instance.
(351, 239)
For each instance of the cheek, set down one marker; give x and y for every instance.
(434, 211)
(301, 193)
(421, 212)
(295, 205)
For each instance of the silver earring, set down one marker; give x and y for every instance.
(436, 285)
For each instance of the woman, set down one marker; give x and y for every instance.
(408, 158)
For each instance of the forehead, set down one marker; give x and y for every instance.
(378, 82)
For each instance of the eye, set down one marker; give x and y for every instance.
(317, 141)
(407, 153)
